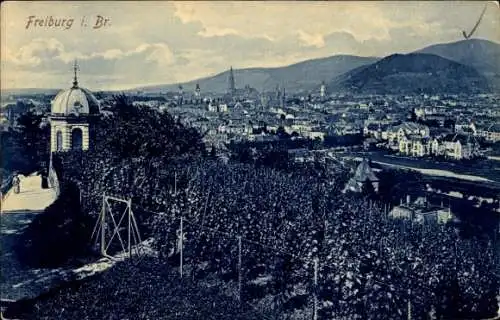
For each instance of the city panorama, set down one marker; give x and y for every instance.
(250, 160)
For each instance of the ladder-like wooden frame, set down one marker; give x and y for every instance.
(106, 215)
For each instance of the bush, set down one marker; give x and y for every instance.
(60, 233)
(25, 149)
(126, 292)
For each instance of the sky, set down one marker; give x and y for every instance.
(146, 43)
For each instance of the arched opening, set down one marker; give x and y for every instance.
(76, 139)
(59, 141)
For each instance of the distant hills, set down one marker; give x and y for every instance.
(468, 66)
(30, 91)
(300, 76)
(412, 73)
(483, 55)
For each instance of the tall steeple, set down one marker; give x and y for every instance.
(322, 90)
(197, 91)
(283, 98)
(232, 86)
(75, 79)
(181, 94)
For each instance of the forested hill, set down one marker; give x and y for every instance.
(483, 55)
(412, 73)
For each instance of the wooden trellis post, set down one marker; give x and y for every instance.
(315, 283)
(181, 238)
(239, 269)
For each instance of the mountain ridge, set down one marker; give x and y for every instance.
(412, 73)
(483, 55)
(297, 76)
(480, 54)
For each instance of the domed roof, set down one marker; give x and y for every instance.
(75, 101)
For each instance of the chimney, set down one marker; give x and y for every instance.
(408, 199)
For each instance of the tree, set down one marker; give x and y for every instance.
(449, 123)
(413, 116)
(213, 152)
(27, 149)
(282, 133)
(140, 131)
(367, 189)
(60, 233)
(317, 143)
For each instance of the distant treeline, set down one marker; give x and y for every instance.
(343, 140)
(311, 144)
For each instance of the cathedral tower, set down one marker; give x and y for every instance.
(197, 91)
(322, 90)
(231, 87)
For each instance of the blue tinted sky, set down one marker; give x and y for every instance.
(168, 42)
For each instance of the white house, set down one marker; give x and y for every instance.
(407, 129)
(421, 212)
(414, 146)
(452, 146)
(459, 147)
(490, 133)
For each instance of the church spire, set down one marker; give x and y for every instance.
(231, 85)
(75, 79)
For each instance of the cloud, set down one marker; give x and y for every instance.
(112, 54)
(158, 53)
(49, 56)
(165, 42)
(275, 20)
(35, 52)
(311, 40)
(217, 32)
(47, 50)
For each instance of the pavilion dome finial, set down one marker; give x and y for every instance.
(75, 79)
(76, 100)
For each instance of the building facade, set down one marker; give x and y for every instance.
(71, 110)
(456, 147)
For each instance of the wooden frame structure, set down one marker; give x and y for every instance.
(107, 229)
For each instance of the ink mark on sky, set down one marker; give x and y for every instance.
(467, 36)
